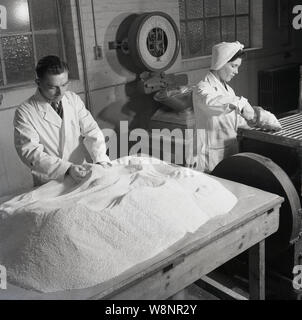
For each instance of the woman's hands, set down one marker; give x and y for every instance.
(248, 113)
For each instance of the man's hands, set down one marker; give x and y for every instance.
(78, 172)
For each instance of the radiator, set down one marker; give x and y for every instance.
(279, 88)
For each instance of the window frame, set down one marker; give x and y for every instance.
(256, 50)
(203, 19)
(32, 33)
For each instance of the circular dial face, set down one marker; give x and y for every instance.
(157, 42)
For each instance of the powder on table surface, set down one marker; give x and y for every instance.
(65, 236)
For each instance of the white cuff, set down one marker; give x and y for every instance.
(241, 103)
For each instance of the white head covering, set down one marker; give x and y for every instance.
(223, 52)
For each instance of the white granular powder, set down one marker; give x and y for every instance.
(64, 236)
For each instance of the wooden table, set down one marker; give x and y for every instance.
(255, 217)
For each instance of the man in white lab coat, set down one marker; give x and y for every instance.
(54, 132)
(218, 111)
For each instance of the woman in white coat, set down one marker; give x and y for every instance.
(54, 132)
(218, 111)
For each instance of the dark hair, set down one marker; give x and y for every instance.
(50, 65)
(238, 54)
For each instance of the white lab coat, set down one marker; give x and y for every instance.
(216, 122)
(48, 145)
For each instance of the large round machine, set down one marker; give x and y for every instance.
(149, 44)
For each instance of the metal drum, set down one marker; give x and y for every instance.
(257, 171)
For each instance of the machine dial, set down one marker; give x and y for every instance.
(153, 41)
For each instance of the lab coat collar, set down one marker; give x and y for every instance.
(218, 85)
(49, 114)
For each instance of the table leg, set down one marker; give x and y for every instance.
(257, 271)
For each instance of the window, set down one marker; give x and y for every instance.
(33, 31)
(204, 23)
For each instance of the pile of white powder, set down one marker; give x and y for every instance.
(65, 236)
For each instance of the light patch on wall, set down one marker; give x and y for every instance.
(3, 17)
(21, 12)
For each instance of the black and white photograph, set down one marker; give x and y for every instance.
(150, 150)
